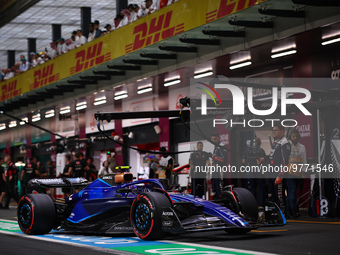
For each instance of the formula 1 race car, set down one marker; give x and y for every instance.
(116, 204)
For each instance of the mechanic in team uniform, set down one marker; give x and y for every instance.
(278, 157)
(82, 158)
(201, 159)
(10, 175)
(220, 157)
(297, 156)
(166, 164)
(29, 172)
(88, 174)
(251, 182)
(77, 167)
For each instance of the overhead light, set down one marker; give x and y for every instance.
(49, 114)
(117, 93)
(281, 50)
(81, 105)
(122, 93)
(100, 100)
(283, 53)
(36, 117)
(23, 121)
(2, 126)
(239, 65)
(202, 74)
(330, 41)
(12, 124)
(121, 96)
(64, 110)
(144, 89)
(240, 59)
(172, 82)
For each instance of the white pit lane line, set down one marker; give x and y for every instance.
(113, 251)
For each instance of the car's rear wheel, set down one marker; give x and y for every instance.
(36, 214)
(146, 215)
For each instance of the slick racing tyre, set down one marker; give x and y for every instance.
(146, 215)
(245, 206)
(36, 214)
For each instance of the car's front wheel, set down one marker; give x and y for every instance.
(242, 202)
(146, 215)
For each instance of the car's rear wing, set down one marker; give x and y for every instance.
(38, 185)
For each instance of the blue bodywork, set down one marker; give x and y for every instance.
(115, 205)
(102, 199)
(101, 196)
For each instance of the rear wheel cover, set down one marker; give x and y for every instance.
(36, 214)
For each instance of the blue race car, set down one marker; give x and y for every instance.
(116, 204)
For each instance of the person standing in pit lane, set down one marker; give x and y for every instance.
(29, 172)
(297, 157)
(105, 169)
(200, 159)
(278, 157)
(220, 157)
(10, 175)
(166, 165)
(110, 157)
(153, 168)
(77, 167)
(252, 182)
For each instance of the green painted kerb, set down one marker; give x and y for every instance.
(176, 249)
(9, 226)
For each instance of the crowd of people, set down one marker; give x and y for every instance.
(284, 152)
(60, 45)
(78, 167)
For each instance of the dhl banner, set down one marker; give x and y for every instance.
(177, 18)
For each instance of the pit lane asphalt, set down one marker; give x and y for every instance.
(301, 236)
